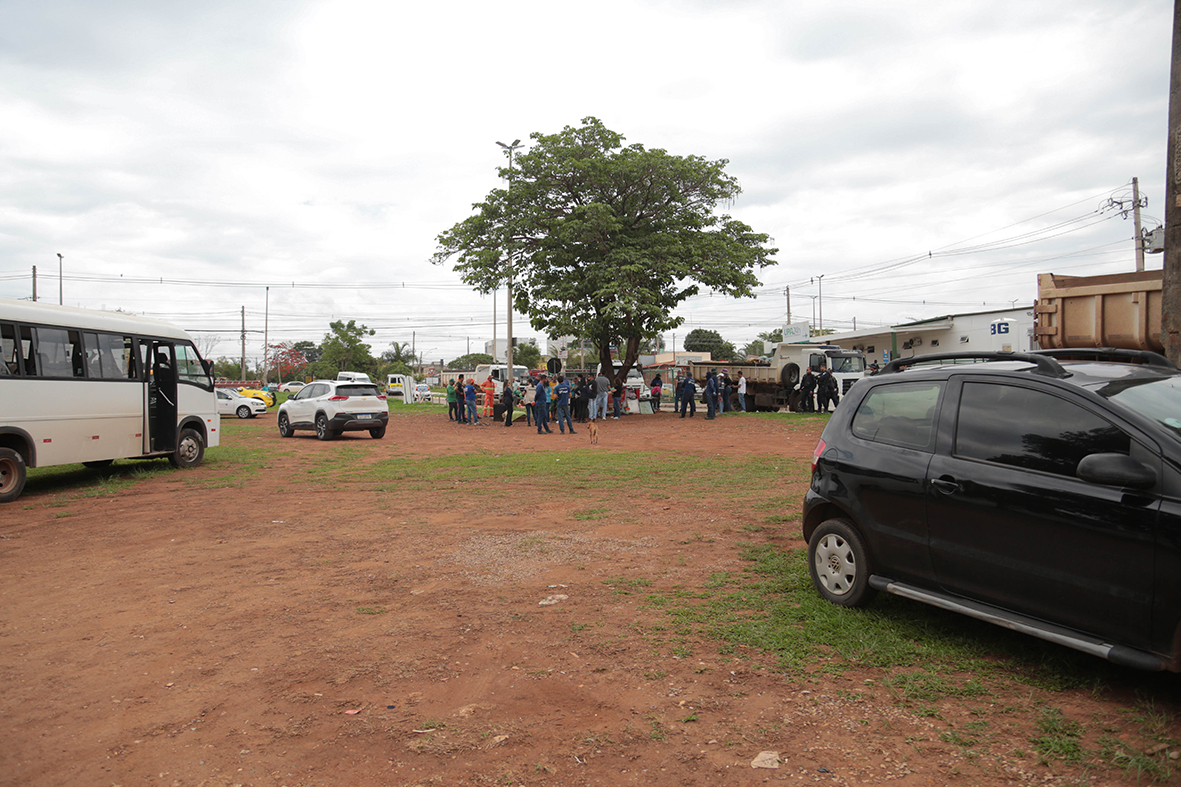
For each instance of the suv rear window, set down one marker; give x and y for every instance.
(356, 389)
(1021, 427)
(900, 414)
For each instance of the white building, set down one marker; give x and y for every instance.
(991, 331)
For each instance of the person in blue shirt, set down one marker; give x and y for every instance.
(562, 392)
(541, 406)
(469, 398)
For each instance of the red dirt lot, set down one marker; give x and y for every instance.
(296, 626)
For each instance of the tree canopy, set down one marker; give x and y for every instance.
(467, 363)
(605, 240)
(701, 340)
(344, 350)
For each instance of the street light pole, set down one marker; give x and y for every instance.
(508, 353)
(60, 300)
(820, 295)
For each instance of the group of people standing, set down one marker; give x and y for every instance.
(824, 386)
(544, 398)
(722, 392)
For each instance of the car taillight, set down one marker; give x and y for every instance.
(381, 397)
(337, 398)
(820, 446)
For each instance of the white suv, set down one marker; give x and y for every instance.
(334, 406)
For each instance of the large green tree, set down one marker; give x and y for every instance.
(344, 350)
(605, 240)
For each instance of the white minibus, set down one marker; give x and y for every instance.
(86, 386)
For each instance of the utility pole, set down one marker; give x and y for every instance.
(509, 351)
(243, 377)
(820, 291)
(787, 296)
(60, 300)
(266, 334)
(1136, 221)
(1171, 286)
(34, 284)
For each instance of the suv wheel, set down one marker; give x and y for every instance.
(377, 433)
(322, 430)
(839, 564)
(285, 429)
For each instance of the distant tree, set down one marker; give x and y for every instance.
(229, 368)
(287, 361)
(467, 363)
(527, 354)
(206, 343)
(772, 337)
(606, 240)
(754, 349)
(310, 351)
(399, 353)
(700, 340)
(397, 367)
(344, 349)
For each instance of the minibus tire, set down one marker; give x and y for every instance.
(12, 475)
(190, 449)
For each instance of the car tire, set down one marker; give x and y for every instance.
(839, 564)
(12, 475)
(243, 411)
(190, 449)
(377, 433)
(790, 376)
(322, 430)
(285, 429)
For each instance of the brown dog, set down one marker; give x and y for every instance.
(593, 428)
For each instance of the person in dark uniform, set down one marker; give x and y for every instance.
(826, 390)
(807, 388)
(688, 389)
(508, 398)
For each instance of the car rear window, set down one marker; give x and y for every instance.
(356, 389)
(902, 414)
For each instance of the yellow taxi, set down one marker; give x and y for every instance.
(262, 396)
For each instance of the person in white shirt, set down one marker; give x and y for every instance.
(741, 392)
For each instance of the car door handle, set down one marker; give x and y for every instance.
(948, 486)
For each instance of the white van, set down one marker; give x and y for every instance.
(353, 377)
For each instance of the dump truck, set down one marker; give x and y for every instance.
(1121, 310)
(775, 385)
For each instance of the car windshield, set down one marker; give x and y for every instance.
(1158, 398)
(357, 389)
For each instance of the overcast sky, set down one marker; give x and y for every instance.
(181, 157)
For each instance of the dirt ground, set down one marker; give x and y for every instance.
(191, 629)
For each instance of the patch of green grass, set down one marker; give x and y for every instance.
(372, 610)
(1060, 737)
(772, 606)
(624, 586)
(590, 514)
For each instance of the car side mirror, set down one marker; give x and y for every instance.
(1116, 470)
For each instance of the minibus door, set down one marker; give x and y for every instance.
(161, 410)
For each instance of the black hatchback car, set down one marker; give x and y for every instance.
(1038, 491)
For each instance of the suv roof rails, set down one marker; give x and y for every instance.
(1045, 364)
(1115, 354)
